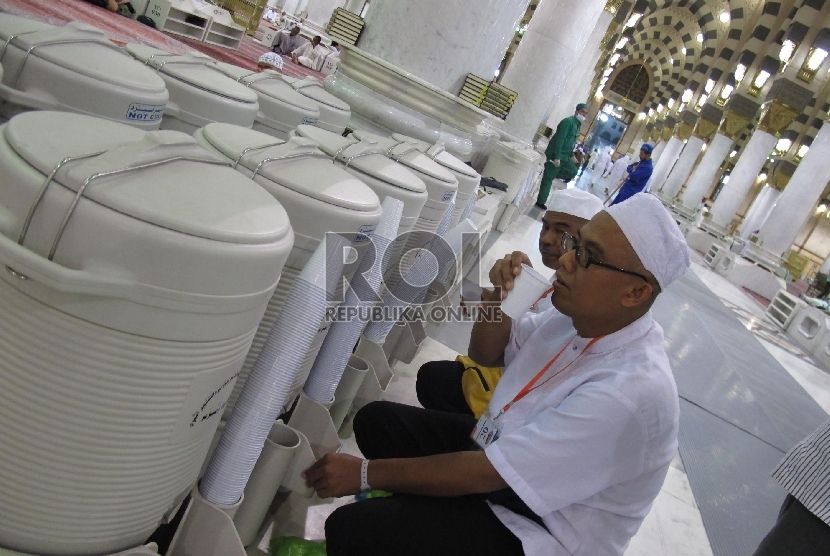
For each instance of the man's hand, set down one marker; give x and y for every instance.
(503, 273)
(334, 475)
(556, 163)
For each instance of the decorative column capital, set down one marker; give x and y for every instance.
(613, 6)
(733, 124)
(781, 174)
(777, 117)
(705, 129)
(684, 131)
(606, 38)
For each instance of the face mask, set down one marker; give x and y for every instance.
(580, 117)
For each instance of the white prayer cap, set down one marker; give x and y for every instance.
(575, 202)
(654, 235)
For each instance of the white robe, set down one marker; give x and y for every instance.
(616, 173)
(603, 165)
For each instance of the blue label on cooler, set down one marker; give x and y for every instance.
(364, 233)
(309, 121)
(448, 196)
(145, 112)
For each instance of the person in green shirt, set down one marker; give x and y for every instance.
(558, 163)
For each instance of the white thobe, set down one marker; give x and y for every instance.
(589, 450)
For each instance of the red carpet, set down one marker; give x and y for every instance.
(122, 30)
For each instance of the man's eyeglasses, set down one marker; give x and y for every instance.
(585, 258)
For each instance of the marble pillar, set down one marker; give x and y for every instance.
(683, 167)
(825, 267)
(800, 197)
(658, 150)
(665, 163)
(355, 6)
(747, 168)
(759, 211)
(440, 41)
(579, 81)
(551, 49)
(319, 11)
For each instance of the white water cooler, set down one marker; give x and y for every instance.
(334, 113)
(199, 92)
(319, 196)
(135, 268)
(75, 68)
(281, 108)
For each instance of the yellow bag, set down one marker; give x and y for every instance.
(478, 384)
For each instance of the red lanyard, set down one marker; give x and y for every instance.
(531, 386)
(541, 297)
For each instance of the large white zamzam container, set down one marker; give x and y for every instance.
(319, 196)
(510, 163)
(199, 92)
(281, 108)
(468, 179)
(334, 113)
(75, 69)
(131, 285)
(368, 162)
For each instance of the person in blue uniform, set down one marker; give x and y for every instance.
(559, 154)
(638, 175)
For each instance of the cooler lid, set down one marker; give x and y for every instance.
(377, 165)
(312, 88)
(197, 198)
(407, 153)
(96, 57)
(269, 83)
(442, 157)
(196, 70)
(311, 173)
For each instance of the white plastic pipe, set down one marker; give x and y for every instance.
(262, 398)
(360, 298)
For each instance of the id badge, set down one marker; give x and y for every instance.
(486, 431)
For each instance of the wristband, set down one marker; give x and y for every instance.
(364, 476)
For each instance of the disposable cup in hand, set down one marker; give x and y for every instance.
(528, 287)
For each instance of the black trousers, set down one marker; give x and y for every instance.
(438, 386)
(406, 525)
(796, 533)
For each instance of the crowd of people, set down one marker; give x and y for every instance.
(310, 54)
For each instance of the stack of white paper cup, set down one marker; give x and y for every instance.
(528, 287)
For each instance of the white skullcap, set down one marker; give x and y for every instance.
(654, 235)
(575, 202)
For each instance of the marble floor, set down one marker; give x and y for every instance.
(674, 525)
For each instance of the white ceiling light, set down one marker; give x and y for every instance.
(787, 51)
(761, 78)
(632, 21)
(650, 112)
(700, 38)
(816, 58)
(702, 100)
(802, 150)
(670, 103)
(683, 50)
(783, 145)
(726, 91)
(740, 72)
(621, 43)
(724, 17)
(732, 154)
(710, 84)
(614, 59)
(687, 96)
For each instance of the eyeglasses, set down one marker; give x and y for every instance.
(585, 258)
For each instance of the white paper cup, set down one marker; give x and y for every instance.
(528, 287)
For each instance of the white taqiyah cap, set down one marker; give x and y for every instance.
(575, 202)
(654, 235)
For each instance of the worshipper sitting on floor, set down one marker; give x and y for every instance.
(286, 43)
(269, 61)
(578, 436)
(439, 383)
(311, 55)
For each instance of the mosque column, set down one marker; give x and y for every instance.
(759, 211)
(786, 100)
(550, 51)
(577, 87)
(799, 199)
(688, 157)
(440, 41)
(825, 267)
(668, 157)
(319, 11)
(732, 123)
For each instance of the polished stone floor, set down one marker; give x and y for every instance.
(732, 346)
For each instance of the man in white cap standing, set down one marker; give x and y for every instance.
(579, 433)
(438, 384)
